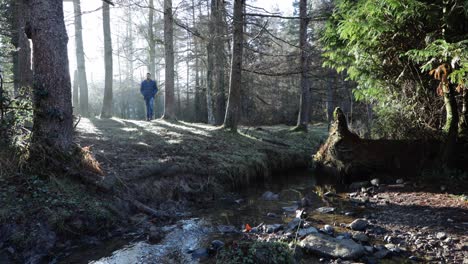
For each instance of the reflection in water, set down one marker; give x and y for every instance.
(236, 209)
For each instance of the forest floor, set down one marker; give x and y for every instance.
(156, 166)
(170, 168)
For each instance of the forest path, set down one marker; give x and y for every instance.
(160, 160)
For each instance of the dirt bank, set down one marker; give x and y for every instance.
(151, 167)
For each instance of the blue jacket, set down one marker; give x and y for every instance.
(148, 88)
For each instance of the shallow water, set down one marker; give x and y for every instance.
(235, 209)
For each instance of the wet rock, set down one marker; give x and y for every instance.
(400, 181)
(327, 246)
(375, 182)
(441, 235)
(272, 215)
(270, 196)
(290, 209)
(227, 229)
(349, 213)
(344, 235)
(325, 210)
(361, 237)
(302, 214)
(382, 253)
(307, 231)
(328, 229)
(217, 244)
(369, 249)
(200, 253)
(272, 228)
(359, 224)
(293, 224)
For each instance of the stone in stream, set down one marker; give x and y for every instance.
(272, 228)
(200, 253)
(359, 224)
(307, 231)
(441, 235)
(360, 237)
(375, 182)
(227, 229)
(328, 246)
(293, 224)
(325, 210)
(270, 196)
(217, 244)
(272, 215)
(328, 229)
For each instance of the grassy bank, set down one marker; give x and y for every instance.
(149, 162)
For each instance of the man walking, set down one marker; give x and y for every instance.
(149, 89)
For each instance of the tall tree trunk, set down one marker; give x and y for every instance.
(451, 123)
(210, 70)
(197, 99)
(463, 125)
(53, 123)
(151, 41)
(80, 59)
(76, 86)
(303, 117)
(22, 71)
(219, 99)
(233, 108)
(107, 106)
(169, 107)
(187, 85)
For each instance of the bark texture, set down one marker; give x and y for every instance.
(169, 106)
(151, 41)
(233, 108)
(22, 71)
(107, 109)
(303, 117)
(80, 59)
(349, 157)
(219, 98)
(53, 124)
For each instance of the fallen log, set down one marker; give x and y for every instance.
(348, 157)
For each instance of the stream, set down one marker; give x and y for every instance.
(187, 240)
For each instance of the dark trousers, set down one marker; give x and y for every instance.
(149, 107)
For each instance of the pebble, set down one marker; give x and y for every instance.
(369, 249)
(307, 231)
(359, 224)
(217, 244)
(325, 210)
(328, 229)
(361, 237)
(375, 182)
(441, 235)
(272, 215)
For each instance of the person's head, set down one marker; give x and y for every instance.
(148, 76)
